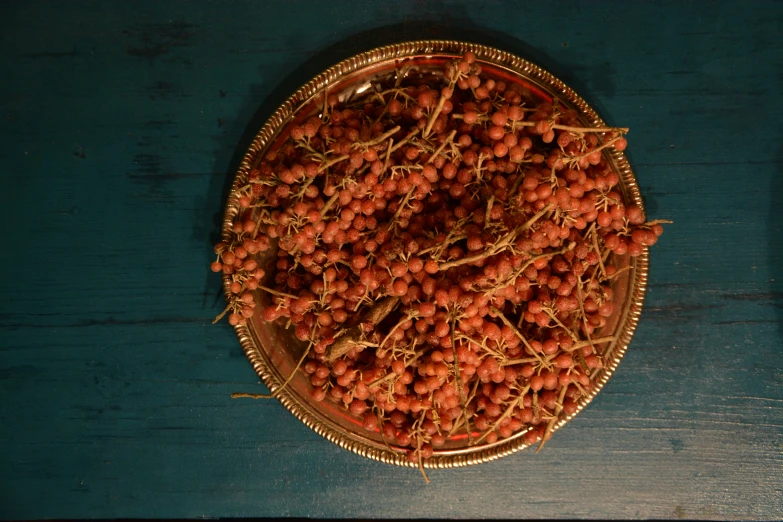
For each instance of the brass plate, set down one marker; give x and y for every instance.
(273, 351)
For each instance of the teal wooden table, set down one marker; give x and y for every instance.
(119, 124)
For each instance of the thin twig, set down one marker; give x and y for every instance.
(421, 465)
(223, 313)
(553, 420)
(407, 138)
(515, 402)
(582, 130)
(350, 339)
(498, 247)
(575, 159)
(572, 348)
(584, 320)
(617, 273)
(402, 205)
(388, 157)
(442, 146)
(407, 317)
(556, 126)
(489, 211)
(330, 202)
(380, 139)
(598, 250)
(388, 377)
(276, 292)
(518, 334)
(331, 162)
(451, 238)
(560, 324)
(435, 113)
(281, 388)
(458, 378)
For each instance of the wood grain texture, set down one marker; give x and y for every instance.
(119, 124)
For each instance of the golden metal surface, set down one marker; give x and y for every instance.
(272, 351)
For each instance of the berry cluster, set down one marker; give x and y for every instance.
(445, 245)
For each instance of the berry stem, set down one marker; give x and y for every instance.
(552, 316)
(388, 157)
(594, 234)
(507, 413)
(281, 388)
(402, 321)
(331, 162)
(404, 202)
(223, 313)
(442, 146)
(451, 238)
(421, 465)
(554, 419)
(481, 118)
(351, 337)
(488, 212)
(386, 378)
(598, 340)
(518, 334)
(617, 273)
(584, 321)
(380, 139)
(329, 203)
(498, 247)
(458, 377)
(576, 159)
(276, 292)
(436, 112)
(407, 139)
(582, 130)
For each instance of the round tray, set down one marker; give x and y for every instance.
(273, 351)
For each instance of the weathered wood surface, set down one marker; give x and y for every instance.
(119, 122)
